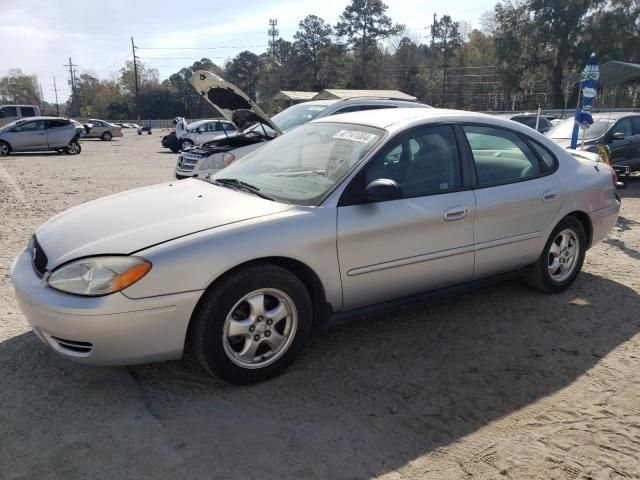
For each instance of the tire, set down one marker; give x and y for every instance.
(139, 132)
(558, 266)
(174, 149)
(74, 148)
(5, 149)
(263, 347)
(149, 132)
(106, 136)
(185, 143)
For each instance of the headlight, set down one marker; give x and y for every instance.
(217, 161)
(98, 276)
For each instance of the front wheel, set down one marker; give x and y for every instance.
(73, 148)
(561, 259)
(185, 144)
(5, 149)
(106, 136)
(252, 325)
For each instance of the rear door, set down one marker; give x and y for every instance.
(517, 198)
(419, 242)
(59, 133)
(29, 136)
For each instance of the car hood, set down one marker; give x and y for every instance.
(130, 221)
(229, 100)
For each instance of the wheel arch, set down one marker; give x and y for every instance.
(301, 270)
(585, 221)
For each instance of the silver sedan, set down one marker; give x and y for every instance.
(340, 217)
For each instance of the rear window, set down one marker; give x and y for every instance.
(28, 111)
(57, 123)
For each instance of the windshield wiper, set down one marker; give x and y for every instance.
(240, 185)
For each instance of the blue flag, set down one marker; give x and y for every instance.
(588, 86)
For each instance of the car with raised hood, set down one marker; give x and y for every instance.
(255, 126)
(195, 133)
(341, 216)
(617, 130)
(38, 134)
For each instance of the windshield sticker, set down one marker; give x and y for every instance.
(316, 109)
(355, 136)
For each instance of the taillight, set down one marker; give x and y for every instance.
(614, 177)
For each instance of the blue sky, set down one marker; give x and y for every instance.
(39, 37)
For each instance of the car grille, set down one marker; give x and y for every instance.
(188, 161)
(39, 258)
(73, 345)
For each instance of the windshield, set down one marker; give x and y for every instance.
(296, 115)
(303, 166)
(565, 128)
(11, 125)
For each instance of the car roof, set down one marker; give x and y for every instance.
(615, 115)
(398, 117)
(42, 117)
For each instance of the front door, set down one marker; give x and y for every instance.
(517, 198)
(419, 242)
(626, 151)
(29, 136)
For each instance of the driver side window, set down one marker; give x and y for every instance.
(423, 162)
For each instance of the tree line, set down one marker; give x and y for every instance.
(519, 58)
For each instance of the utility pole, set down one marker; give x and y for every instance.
(55, 89)
(74, 101)
(273, 33)
(41, 95)
(135, 72)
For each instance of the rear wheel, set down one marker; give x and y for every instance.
(185, 143)
(73, 148)
(252, 325)
(561, 259)
(5, 149)
(106, 136)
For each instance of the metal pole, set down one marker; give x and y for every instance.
(55, 89)
(135, 72)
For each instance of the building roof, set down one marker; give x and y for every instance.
(294, 96)
(338, 94)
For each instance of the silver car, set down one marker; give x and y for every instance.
(40, 134)
(339, 217)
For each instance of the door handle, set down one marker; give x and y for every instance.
(456, 212)
(549, 196)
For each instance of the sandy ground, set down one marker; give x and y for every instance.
(499, 383)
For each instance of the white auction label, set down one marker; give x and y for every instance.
(355, 136)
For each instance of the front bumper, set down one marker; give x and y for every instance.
(109, 330)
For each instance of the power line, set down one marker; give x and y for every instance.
(201, 48)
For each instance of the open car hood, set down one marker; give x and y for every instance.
(232, 102)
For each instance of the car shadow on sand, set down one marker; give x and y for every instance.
(365, 398)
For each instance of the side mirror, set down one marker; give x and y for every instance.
(618, 136)
(383, 189)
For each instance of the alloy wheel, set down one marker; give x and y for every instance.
(563, 255)
(259, 328)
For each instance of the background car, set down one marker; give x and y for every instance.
(103, 130)
(342, 216)
(204, 131)
(619, 131)
(213, 156)
(40, 134)
(530, 119)
(11, 113)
